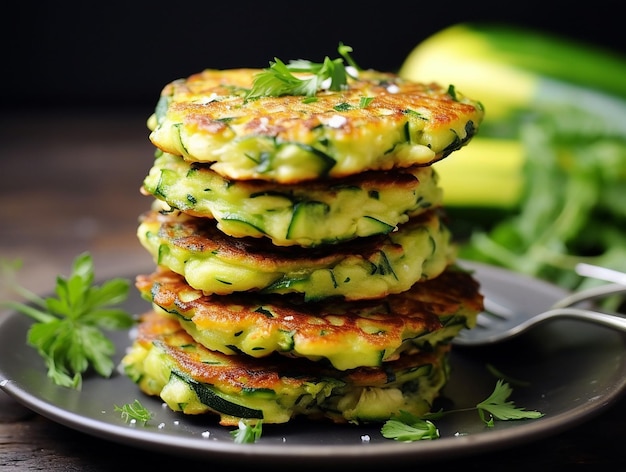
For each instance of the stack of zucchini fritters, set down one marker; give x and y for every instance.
(303, 264)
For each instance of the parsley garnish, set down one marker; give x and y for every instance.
(498, 407)
(134, 411)
(68, 329)
(408, 427)
(247, 432)
(279, 78)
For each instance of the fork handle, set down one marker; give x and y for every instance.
(607, 319)
(590, 294)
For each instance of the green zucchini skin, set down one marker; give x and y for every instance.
(308, 215)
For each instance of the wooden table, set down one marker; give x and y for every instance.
(70, 183)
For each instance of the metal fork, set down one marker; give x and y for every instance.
(498, 323)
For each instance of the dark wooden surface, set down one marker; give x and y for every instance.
(70, 183)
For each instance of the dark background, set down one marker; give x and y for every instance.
(120, 54)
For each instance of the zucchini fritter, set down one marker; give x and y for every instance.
(287, 139)
(347, 334)
(364, 268)
(165, 361)
(307, 214)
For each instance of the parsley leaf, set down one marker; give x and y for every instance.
(134, 411)
(407, 427)
(280, 79)
(247, 432)
(500, 408)
(68, 328)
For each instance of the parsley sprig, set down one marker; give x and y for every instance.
(68, 329)
(407, 427)
(247, 432)
(134, 411)
(279, 78)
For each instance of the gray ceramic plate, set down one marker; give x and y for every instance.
(571, 371)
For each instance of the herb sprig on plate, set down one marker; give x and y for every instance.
(134, 412)
(408, 427)
(247, 432)
(68, 329)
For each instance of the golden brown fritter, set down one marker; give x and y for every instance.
(347, 334)
(290, 139)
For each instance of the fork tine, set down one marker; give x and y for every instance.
(493, 313)
(601, 273)
(486, 319)
(481, 322)
(497, 309)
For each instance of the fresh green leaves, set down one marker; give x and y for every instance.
(406, 427)
(571, 209)
(247, 432)
(68, 329)
(134, 412)
(497, 406)
(280, 79)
